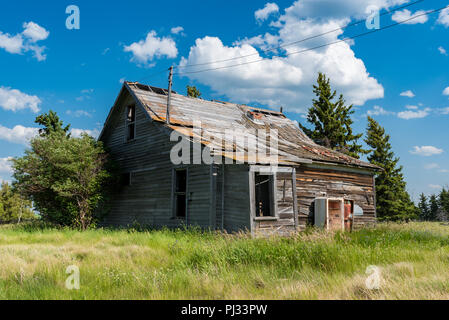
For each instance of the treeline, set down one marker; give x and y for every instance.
(13, 207)
(434, 207)
(330, 125)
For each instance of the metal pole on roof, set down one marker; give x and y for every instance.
(170, 82)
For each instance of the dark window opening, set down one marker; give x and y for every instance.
(125, 179)
(284, 186)
(264, 186)
(131, 123)
(180, 193)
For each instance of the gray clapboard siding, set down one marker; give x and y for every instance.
(148, 200)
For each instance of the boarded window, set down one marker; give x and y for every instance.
(180, 193)
(264, 195)
(131, 123)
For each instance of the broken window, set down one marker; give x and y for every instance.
(180, 193)
(264, 195)
(131, 123)
(125, 179)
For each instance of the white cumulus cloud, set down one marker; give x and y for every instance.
(76, 133)
(269, 9)
(12, 44)
(407, 93)
(152, 46)
(404, 16)
(426, 151)
(79, 113)
(19, 134)
(443, 18)
(5, 165)
(413, 113)
(15, 100)
(378, 111)
(446, 91)
(25, 41)
(285, 78)
(177, 30)
(34, 32)
(442, 51)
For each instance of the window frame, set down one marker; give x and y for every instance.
(129, 123)
(274, 214)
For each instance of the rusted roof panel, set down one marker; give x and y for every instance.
(294, 147)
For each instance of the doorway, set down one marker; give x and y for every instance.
(264, 195)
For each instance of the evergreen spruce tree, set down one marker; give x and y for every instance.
(51, 123)
(331, 120)
(393, 200)
(423, 208)
(434, 207)
(444, 202)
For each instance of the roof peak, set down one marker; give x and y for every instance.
(163, 91)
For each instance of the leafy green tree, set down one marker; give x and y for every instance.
(65, 177)
(423, 206)
(393, 200)
(331, 120)
(13, 207)
(193, 92)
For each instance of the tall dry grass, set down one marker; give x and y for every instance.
(125, 264)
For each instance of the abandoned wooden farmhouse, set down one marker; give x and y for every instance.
(309, 185)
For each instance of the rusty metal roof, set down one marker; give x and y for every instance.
(294, 147)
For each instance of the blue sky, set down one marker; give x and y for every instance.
(44, 65)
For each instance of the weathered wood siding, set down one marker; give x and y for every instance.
(352, 185)
(284, 196)
(148, 201)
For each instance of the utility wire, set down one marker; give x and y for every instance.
(323, 45)
(299, 41)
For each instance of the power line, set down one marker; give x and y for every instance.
(320, 46)
(299, 41)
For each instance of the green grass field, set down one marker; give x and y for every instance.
(413, 259)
